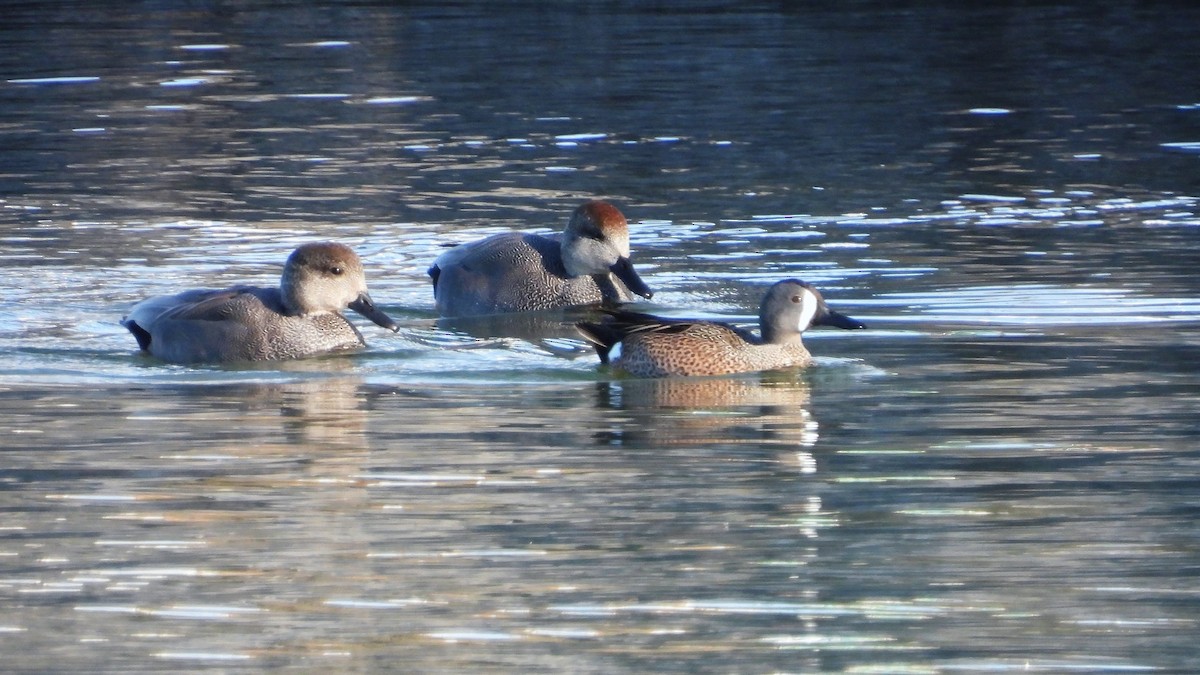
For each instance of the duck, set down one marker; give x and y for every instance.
(645, 345)
(300, 318)
(587, 263)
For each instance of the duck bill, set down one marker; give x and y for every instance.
(623, 268)
(838, 320)
(363, 305)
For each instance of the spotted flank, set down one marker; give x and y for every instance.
(645, 345)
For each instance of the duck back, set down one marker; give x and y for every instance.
(514, 272)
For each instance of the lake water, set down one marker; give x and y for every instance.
(1001, 474)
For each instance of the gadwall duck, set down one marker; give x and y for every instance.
(519, 272)
(649, 346)
(244, 323)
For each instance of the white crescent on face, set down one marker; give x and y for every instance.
(808, 309)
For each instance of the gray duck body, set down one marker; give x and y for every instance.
(301, 318)
(519, 272)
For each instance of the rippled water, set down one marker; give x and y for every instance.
(1000, 474)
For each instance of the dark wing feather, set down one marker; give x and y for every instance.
(619, 324)
(636, 322)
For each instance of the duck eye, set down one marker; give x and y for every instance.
(796, 299)
(335, 270)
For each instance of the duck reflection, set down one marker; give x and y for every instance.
(266, 474)
(771, 388)
(310, 415)
(322, 412)
(535, 327)
(769, 409)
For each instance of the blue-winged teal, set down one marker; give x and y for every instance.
(244, 323)
(651, 346)
(520, 272)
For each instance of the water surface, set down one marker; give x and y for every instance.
(1000, 474)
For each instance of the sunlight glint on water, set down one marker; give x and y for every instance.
(996, 475)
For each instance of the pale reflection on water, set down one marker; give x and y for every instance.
(998, 475)
(466, 522)
(627, 522)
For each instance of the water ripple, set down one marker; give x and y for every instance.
(1037, 305)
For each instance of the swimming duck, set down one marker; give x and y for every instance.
(302, 317)
(518, 272)
(650, 346)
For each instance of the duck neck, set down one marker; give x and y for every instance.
(774, 335)
(290, 296)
